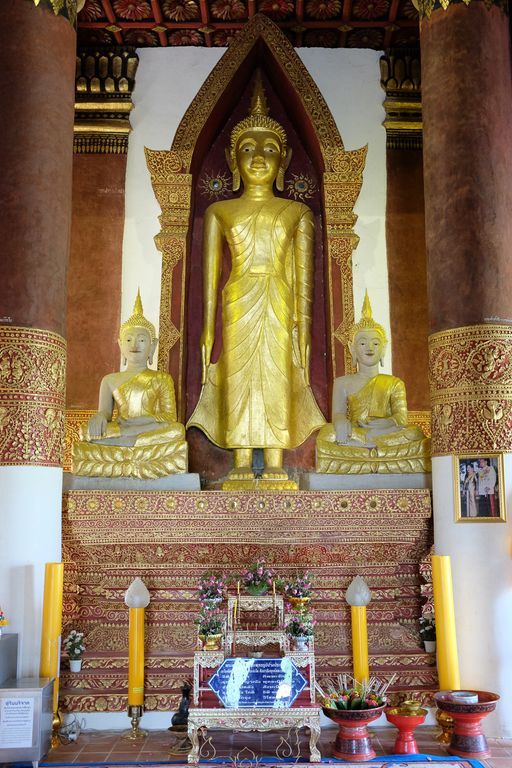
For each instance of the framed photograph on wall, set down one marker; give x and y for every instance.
(479, 488)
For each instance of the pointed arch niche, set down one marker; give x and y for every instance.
(180, 178)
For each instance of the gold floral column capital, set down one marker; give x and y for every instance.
(32, 396)
(470, 372)
(66, 8)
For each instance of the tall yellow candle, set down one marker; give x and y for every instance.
(358, 596)
(136, 657)
(359, 643)
(137, 599)
(52, 626)
(446, 636)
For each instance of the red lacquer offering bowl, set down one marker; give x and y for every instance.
(353, 740)
(405, 743)
(467, 739)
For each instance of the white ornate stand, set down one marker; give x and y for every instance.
(199, 720)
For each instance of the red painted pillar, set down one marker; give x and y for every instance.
(37, 63)
(467, 114)
(467, 110)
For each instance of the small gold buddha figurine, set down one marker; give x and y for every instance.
(257, 394)
(369, 431)
(145, 440)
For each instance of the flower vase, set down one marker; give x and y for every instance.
(301, 643)
(430, 646)
(212, 642)
(75, 665)
(299, 603)
(212, 602)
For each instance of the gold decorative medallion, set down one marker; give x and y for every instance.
(32, 396)
(471, 389)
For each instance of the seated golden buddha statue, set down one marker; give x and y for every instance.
(144, 440)
(257, 393)
(369, 431)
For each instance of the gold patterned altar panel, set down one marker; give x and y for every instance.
(471, 389)
(32, 396)
(171, 539)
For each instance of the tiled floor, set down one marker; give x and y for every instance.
(102, 746)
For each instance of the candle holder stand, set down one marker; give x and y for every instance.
(182, 744)
(56, 726)
(135, 712)
(446, 724)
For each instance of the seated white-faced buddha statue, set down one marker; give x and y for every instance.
(369, 432)
(143, 439)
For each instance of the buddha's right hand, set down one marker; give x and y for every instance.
(342, 429)
(97, 426)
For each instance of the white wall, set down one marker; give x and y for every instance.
(482, 588)
(30, 536)
(350, 83)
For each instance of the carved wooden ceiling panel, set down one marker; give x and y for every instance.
(377, 24)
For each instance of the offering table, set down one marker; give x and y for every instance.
(244, 719)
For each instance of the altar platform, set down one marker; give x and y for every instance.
(170, 539)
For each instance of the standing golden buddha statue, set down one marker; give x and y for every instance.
(145, 440)
(369, 431)
(257, 394)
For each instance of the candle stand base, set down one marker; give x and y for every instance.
(182, 744)
(135, 712)
(446, 723)
(56, 726)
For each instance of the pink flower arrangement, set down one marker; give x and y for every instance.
(257, 575)
(3, 620)
(210, 621)
(300, 624)
(212, 587)
(300, 586)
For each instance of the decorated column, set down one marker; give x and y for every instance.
(37, 61)
(467, 112)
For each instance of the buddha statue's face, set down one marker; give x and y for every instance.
(368, 347)
(258, 156)
(136, 346)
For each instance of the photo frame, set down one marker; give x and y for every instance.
(479, 488)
